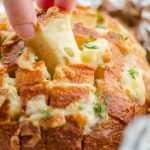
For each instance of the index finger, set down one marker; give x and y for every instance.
(22, 16)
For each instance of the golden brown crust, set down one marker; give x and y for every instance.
(84, 34)
(120, 107)
(106, 136)
(77, 73)
(147, 85)
(7, 131)
(27, 78)
(3, 70)
(5, 112)
(79, 10)
(84, 15)
(69, 136)
(63, 96)
(27, 92)
(116, 39)
(31, 137)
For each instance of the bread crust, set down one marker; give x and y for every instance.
(7, 131)
(69, 136)
(28, 92)
(63, 96)
(75, 73)
(31, 136)
(5, 112)
(106, 136)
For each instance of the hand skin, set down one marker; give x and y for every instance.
(22, 16)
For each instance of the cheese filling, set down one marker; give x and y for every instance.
(97, 53)
(132, 80)
(15, 102)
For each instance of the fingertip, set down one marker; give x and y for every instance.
(45, 4)
(69, 5)
(25, 31)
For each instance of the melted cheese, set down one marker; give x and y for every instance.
(98, 56)
(54, 41)
(135, 88)
(46, 73)
(26, 60)
(15, 102)
(87, 112)
(35, 107)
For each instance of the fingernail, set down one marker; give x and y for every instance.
(25, 31)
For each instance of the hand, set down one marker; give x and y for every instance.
(22, 16)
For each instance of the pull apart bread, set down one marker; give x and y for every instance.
(74, 86)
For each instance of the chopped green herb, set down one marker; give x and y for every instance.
(91, 46)
(47, 113)
(91, 37)
(98, 95)
(7, 63)
(81, 106)
(36, 59)
(12, 96)
(133, 73)
(101, 110)
(100, 26)
(122, 36)
(99, 16)
(19, 54)
(104, 115)
(106, 99)
(11, 84)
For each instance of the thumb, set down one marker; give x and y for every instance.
(22, 16)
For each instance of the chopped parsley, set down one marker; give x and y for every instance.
(122, 36)
(11, 84)
(98, 95)
(18, 54)
(12, 96)
(133, 73)
(99, 16)
(81, 106)
(47, 113)
(36, 59)
(101, 26)
(91, 46)
(106, 99)
(101, 110)
(7, 63)
(91, 37)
